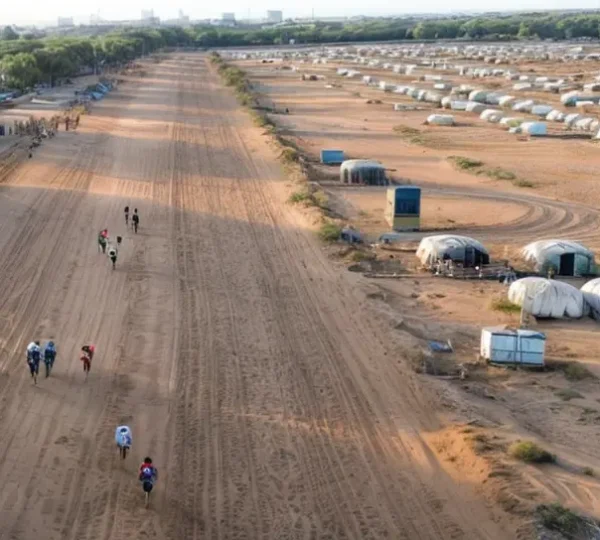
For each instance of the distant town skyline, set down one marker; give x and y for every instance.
(48, 13)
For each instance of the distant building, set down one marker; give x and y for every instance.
(147, 14)
(65, 22)
(228, 17)
(275, 16)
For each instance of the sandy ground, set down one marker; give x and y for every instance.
(246, 365)
(502, 405)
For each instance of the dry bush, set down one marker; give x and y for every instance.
(530, 452)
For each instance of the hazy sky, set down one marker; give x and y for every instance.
(37, 11)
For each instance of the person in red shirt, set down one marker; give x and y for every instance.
(86, 357)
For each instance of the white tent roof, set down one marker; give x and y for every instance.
(591, 294)
(431, 247)
(548, 298)
(542, 249)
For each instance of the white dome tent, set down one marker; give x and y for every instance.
(442, 247)
(363, 171)
(591, 294)
(567, 257)
(548, 298)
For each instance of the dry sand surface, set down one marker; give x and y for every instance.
(273, 406)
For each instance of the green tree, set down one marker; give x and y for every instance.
(8, 34)
(20, 70)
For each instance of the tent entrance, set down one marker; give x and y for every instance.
(567, 265)
(474, 257)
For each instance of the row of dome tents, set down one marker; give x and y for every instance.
(565, 257)
(97, 91)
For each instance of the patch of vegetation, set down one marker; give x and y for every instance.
(523, 183)
(505, 306)
(330, 232)
(465, 163)
(556, 517)
(481, 443)
(567, 394)
(290, 155)
(530, 452)
(575, 371)
(588, 471)
(302, 196)
(410, 134)
(320, 198)
(359, 256)
(498, 173)
(261, 120)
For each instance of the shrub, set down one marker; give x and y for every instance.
(506, 306)
(523, 183)
(358, 256)
(529, 452)
(300, 197)
(500, 174)
(465, 163)
(577, 372)
(588, 471)
(330, 232)
(558, 518)
(566, 394)
(289, 155)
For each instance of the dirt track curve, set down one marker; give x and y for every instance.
(244, 363)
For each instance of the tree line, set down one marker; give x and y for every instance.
(26, 61)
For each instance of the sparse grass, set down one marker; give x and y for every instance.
(261, 120)
(530, 452)
(558, 518)
(577, 372)
(298, 197)
(567, 394)
(481, 443)
(359, 256)
(410, 134)
(289, 155)
(523, 183)
(330, 232)
(505, 306)
(320, 198)
(498, 173)
(588, 471)
(465, 163)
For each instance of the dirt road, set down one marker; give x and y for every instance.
(246, 367)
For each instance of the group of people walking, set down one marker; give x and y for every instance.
(147, 473)
(112, 250)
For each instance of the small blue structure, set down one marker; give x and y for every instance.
(403, 210)
(332, 157)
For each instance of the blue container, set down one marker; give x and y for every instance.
(332, 157)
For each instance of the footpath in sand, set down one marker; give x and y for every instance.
(246, 366)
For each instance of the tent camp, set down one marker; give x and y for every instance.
(567, 257)
(460, 249)
(548, 298)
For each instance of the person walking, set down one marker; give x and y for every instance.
(135, 219)
(126, 216)
(49, 357)
(102, 240)
(33, 359)
(112, 255)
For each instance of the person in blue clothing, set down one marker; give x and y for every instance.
(49, 357)
(33, 359)
(124, 439)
